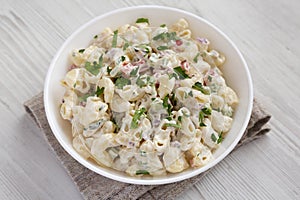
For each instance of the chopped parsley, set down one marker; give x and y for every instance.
(121, 82)
(96, 36)
(159, 36)
(220, 139)
(163, 25)
(143, 81)
(99, 91)
(84, 97)
(81, 50)
(199, 86)
(126, 45)
(115, 38)
(196, 57)
(169, 118)
(181, 73)
(209, 78)
(172, 125)
(123, 58)
(95, 67)
(165, 101)
(179, 118)
(142, 20)
(161, 48)
(173, 100)
(165, 36)
(166, 104)
(136, 117)
(134, 72)
(201, 119)
(191, 93)
(206, 110)
(146, 49)
(141, 134)
(173, 75)
(213, 137)
(139, 172)
(108, 69)
(203, 113)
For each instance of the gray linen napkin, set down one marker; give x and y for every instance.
(93, 186)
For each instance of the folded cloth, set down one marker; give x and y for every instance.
(94, 186)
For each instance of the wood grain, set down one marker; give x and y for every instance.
(266, 32)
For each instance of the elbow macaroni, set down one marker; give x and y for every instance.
(147, 100)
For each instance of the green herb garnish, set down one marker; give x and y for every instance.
(165, 36)
(165, 101)
(136, 117)
(196, 57)
(123, 58)
(159, 36)
(201, 119)
(172, 125)
(180, 72)
(173, 75)
(203, 113)
(160, 48)
(141, 134)
(166, 104)
(84, 97)
(99, 91)
(191, 93)
(179, 118)
(199, 86)
(96, 36)
(115, 38)
(81, 50)
(169, 118)
(146, 50)
(134, 72)
(220, 139)
(213, 137)
(126, 45)
(139, 172)
(209, 78)
(95, 67)
(121, 82)
(163, 25)
(206, 110)
(173, 100)
(143, 81)
(108, 69)
(142, 20)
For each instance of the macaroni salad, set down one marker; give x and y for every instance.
(147, 100)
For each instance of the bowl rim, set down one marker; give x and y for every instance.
(129, 179)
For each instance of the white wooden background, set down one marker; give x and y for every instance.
(268, 34)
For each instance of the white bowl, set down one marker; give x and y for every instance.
(235, 71)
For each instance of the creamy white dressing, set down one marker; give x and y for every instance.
(148, 100)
